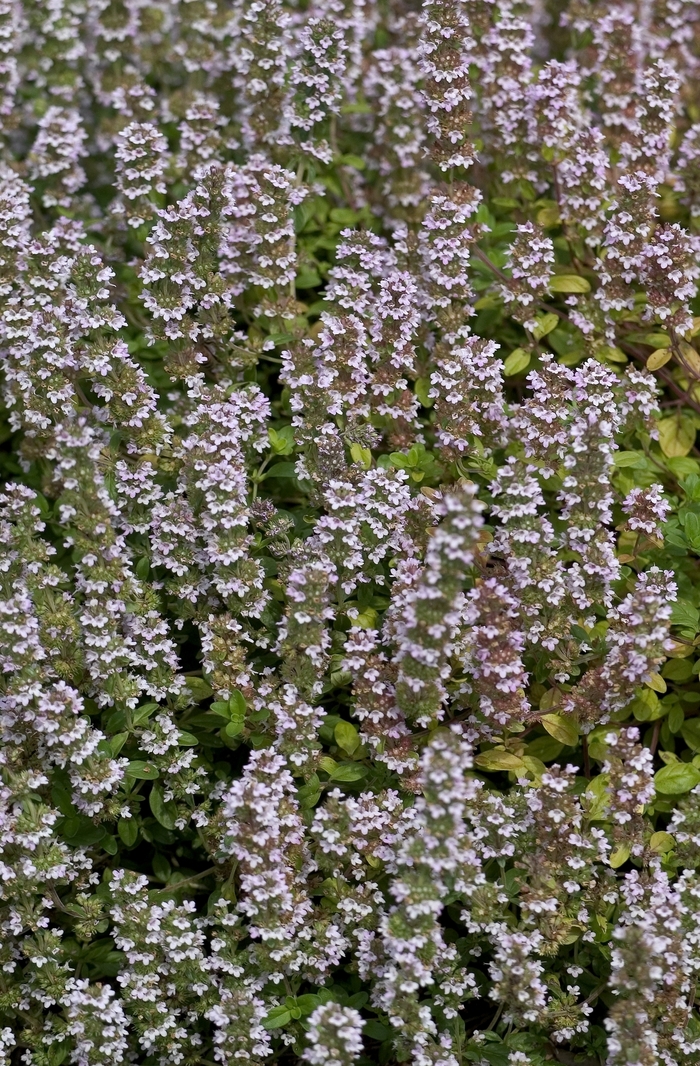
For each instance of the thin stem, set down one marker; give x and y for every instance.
(496, 1016)
(189, 880)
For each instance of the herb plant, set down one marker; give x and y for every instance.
(350, 522)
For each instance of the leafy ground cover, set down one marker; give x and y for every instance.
(350, 602)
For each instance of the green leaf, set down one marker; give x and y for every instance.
(680, 670)
(142, 770)
(310, 793)
(308, 1003)
(692, 530)
(187, 740)
(676, 778)
(280, 470)
(110, 844)
(377, 1030)
(128, 831)
(198, 689)
(349, 771)
(361, 455)
(220, 708)
(569, 283)
(345, 215)
(544, 748)
(277, 1017)
(685, 614)
(365, 619)
(354, 161)
(347, 737)
(654, 340)
(676, 718)
(544, 325)
(81, 832)
(144, 712)
(308, 279)
(636, 460)
(690, 731)
(657, 683)
(598, 797)
(281, 440)
(517, 361)
(143, 567)
(164, 811)
(62, 798)
(612, 354)
(237, 704)
(116, 743)
(422, 391)
(549, 216)
(562, 729)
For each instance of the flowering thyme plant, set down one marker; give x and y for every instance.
(350, 524)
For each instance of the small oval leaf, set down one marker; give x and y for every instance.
(141, 770)
(517, 361)
(569, 283)
(562, 729)
(497, 759)
(349, 771)
(676, 778)
(659, 358)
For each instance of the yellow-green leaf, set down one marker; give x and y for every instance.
(598, 797)
(619, 856)
(646, 707)
(517, 361)
(690, 357)
(562, 729)
(544, 324)
(366, 618)
(676, 435)
(662, 842)
(569, 283)
(346, 736)
(659, 358)
(485, 302)
(498, 759)
(535, 766)
(612, 354)
(676, 778)
(657, 682)
(655, 340)
(549, 216)
(361, 455)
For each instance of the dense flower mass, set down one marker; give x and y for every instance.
(349, 532)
